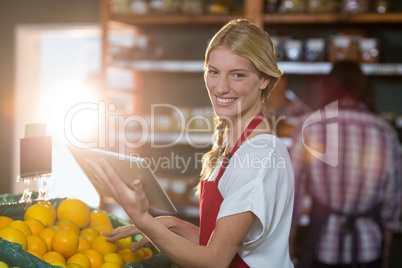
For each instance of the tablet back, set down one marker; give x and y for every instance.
(129, 169)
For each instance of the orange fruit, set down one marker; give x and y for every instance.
(22, 226)
(74, 210)
(100, 244)
(89, 233)
(83, 244)
(94, 257)
(35, 225)
(73, 265)
(103, 228)
(129, 256)
(35, 253)
(58, 263)
(4, 221)
(68, 224)
(3, 265)
(124, 242)
(109, 265)
(146, 253)
(130, 244)
(50, 207)
(99, 217)
(47, 234)
(41, 213)
(14, 235)
(36, 243)
(81, 259)
(52, 256)
(114, 257)
(55, 227)
(65, 242)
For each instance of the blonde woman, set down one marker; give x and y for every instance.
(246, 188)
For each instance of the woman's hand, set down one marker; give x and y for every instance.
(126, 231)
(177, 226)
(134, 202)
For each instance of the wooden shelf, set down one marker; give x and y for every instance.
(333, 18)
(175, 138)
(171, 138)
(161, 65)
(287, 66)
(172, 19)
(367, 18)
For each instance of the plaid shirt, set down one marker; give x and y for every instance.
(363, 170)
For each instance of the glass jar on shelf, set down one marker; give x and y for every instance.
(314, 50)
(171, 6)
(355, 6)
(279, 44)
(292, 6)
(218, 7)
(322, 6)
(157, 6)
(343, 47)
(192, 6)
(120, 7)
(138, 7)
(381, 6)
(293, 50)
(271, 6)
(369, 50)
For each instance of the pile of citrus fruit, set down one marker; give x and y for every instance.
(71, 236)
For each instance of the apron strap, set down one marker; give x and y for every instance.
(251, 126)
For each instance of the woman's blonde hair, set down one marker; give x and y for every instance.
(247, 40)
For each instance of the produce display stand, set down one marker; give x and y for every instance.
(13, 255)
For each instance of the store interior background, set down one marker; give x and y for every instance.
(59, 14)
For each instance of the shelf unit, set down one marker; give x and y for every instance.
(174, 138)
(253, 11)
(287, 67)
(367, 18)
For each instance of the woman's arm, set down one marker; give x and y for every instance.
(177, 226)
(227, 237)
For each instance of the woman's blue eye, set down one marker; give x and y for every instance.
(238, 75)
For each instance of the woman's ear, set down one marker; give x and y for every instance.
(265, 81)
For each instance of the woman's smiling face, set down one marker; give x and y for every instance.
(234, 83)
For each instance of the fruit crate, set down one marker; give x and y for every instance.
(14, 255)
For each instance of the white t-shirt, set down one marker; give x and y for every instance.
(260, 179)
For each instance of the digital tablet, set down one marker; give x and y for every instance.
(129, 169)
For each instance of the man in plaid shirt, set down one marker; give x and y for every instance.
(348, 161)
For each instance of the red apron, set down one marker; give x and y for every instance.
(211, 198)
